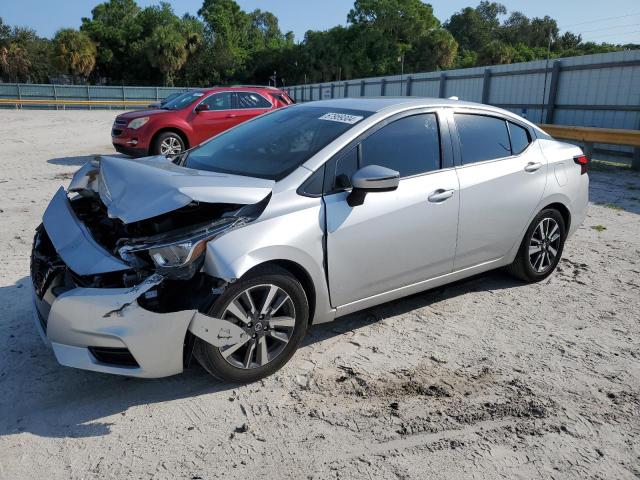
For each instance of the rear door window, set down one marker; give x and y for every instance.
(251, 100)
(482, 138)
(410, 145)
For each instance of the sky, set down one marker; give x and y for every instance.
(614, 21)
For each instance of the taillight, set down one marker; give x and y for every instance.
(583, 161)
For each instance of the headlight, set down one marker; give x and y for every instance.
(180, 257)
(178, 254)
(138, 122)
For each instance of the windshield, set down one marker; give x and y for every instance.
(274, 145)
(182, 100)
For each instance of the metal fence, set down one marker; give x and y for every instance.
(601, 90)
(23, 91)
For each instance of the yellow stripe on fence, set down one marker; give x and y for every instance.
(31, 101)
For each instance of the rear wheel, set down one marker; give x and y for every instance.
(167, 143)
(541, 247)
(271, 307)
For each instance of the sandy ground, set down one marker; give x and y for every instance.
(488, 378)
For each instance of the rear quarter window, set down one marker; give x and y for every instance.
(520, 138)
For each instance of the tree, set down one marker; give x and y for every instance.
(74, 53)
(436, 51)
(166, 50)
(473, 28)
(14, 62)
(115, 29)
(229, 25)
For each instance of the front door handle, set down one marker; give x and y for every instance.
(231, 115)
(532, 166)
(440, 195)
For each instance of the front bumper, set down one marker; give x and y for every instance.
(82, 321)
(130, 142)
(106, 329)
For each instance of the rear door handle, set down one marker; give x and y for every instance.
(532, 166)
(440, 195)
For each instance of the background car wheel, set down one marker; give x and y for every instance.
(272, 308)
(541, 247)
(167, 143)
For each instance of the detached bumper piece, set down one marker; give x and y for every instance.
(106, 329)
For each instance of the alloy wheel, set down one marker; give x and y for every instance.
(170, 146)
(544, 245)
(267, 315)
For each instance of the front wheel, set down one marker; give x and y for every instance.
(271, 307)
(541, 247)
(167, 143)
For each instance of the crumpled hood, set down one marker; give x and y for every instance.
(137, 189)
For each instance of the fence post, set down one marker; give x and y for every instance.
(124, 96)
(55, 95)
(409, 81)
(332, 90)
(553, 91)
(486, 86)
(88, 96)
(346, 89)
(19, 95)
(443, 83)
(362, 85)
(635, 159)
(383, 87)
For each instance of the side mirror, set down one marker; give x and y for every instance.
(372, 178)
(203, 107)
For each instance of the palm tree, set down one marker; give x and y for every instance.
(166, 50)
(14, 62)
(74, 52)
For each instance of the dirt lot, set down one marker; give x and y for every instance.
(488, 378)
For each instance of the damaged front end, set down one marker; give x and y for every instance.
(120, 293)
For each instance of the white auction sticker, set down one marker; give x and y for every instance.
(341, 117)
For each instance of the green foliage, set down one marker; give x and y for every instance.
(123, 43)
(74, 52)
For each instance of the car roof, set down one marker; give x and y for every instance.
(391, 104)
(376, 104)
(243, 88)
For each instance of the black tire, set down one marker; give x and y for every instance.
(523, 265)
(211, 358)
(167, 137)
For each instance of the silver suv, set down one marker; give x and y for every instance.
(228, 252)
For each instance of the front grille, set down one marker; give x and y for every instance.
(114, 356)
(45, 262)
(116, 132)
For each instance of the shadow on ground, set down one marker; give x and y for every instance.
(48, 400)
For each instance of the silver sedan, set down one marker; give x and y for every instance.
(229, 251)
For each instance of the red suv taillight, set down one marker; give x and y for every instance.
(583, 161)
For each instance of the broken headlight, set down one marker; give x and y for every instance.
(180, 256)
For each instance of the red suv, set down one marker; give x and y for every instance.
(191, 118)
